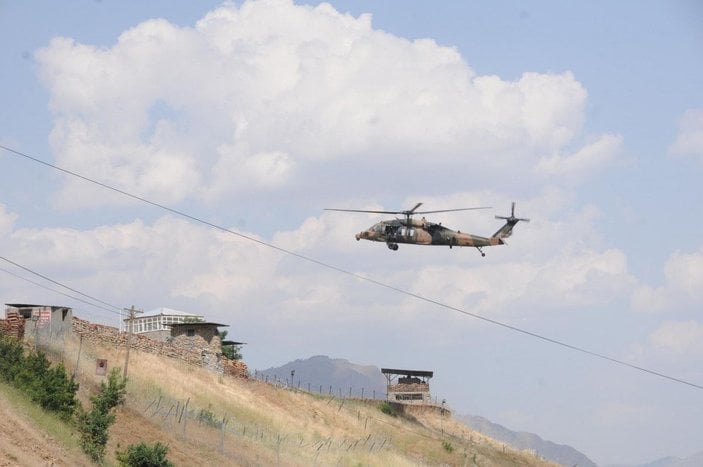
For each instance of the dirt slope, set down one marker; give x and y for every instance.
(23, 444)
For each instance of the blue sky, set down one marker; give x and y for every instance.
(256, 116)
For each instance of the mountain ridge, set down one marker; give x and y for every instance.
(561, 453)
(327, 372)
(694, 460)
(326, 375)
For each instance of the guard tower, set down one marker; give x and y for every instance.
(408, 386)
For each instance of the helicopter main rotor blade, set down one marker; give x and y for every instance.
(451, 210)
(412, 211)
(364, 210)
(406, 213)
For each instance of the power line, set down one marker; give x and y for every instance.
(58, 283)
(57, 291)
(356, 275)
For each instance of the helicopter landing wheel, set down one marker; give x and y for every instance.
(481, 251)
(393, 246)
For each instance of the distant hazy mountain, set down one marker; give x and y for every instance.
(322, 373)
(695, 460)
(565, 455)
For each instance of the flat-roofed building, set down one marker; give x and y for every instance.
(408, 386)
(39, 322)
(156, 324)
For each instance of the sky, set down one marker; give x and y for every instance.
(256, 116)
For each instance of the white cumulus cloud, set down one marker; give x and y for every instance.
(689, 140)
(584, 161)
(249, 93)
(683, 287)
(679, 337)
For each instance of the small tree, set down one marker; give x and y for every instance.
(58, 393)
(232, 352)
(387, 409)
(94, 425)
(11, 358)
(31, 373)
(193, 319)
(143, 455)
(50, 387)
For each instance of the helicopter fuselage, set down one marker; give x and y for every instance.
(421, 232)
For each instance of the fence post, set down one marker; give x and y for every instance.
(78, 359)
(185, 411)
(222, 439)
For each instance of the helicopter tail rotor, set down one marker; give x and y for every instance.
(510, 221)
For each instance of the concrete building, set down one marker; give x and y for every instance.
(156, 324)
(39, 322)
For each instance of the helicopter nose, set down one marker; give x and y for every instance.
(363, 234)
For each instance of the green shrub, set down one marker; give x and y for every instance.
(50, 387)
(387, 409)
(144, 455)
(57, 392)
(207, 417)
(448, 446)
(231, 352)
(11, 358)
(30, 374)
(94, 425)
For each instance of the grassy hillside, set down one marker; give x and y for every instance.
(206, 419)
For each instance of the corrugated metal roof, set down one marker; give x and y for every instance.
(29, 305)
(167, 311)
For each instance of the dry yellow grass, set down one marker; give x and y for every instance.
(268, 425)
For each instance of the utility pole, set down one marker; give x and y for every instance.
(132, 311)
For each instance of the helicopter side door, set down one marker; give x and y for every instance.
(405, 234)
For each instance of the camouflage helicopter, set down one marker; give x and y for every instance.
(423, 232)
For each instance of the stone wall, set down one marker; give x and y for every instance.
(416, 387)
(235, 368)
(181, 349)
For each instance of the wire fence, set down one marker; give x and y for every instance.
(228, 435)
(334, 391)
(320, 389)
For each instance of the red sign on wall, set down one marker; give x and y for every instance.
(101, 367)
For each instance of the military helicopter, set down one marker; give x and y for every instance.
(423, 232)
